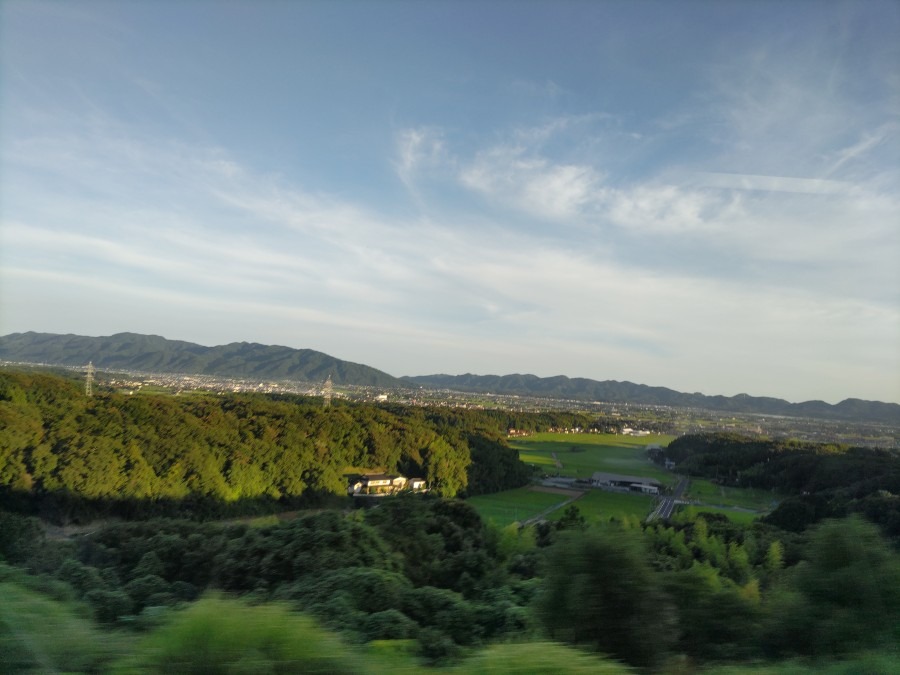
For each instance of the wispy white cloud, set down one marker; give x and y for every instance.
(869, 141)
(666, 209)
(733, 181)
(533, 184)
(417, 151)
(787, 109)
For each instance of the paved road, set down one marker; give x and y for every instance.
(667, 503)
(546, 512)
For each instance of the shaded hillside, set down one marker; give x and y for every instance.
(825, 480)
(152, 353)
(627, 392)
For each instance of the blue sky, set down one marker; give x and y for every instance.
(699, 195)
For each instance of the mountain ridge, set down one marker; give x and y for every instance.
(613, 391)
(154, 353)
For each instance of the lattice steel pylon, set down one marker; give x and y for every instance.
(89, 380)
(328, 391)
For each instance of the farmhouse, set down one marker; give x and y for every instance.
(614, 481)
(382, 485)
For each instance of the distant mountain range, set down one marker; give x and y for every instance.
(151, 353)
(155, 354)
(611, 391)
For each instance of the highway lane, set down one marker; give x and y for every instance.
(667, 503)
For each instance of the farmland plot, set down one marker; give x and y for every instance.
(582, 454)
(503, 508)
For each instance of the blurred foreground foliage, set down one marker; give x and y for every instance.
(222, 635)
(428, 574)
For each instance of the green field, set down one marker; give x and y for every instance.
(708, 493)
(503, 508)
(583, 454)
(733, 514)
(740, 505)
(600, 505)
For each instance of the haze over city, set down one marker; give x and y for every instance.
(703, 196)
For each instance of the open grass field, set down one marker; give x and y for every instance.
(740, 505)
(503, 508)
(600, 506)
(583, 454)
(708, 493)
(736, 516)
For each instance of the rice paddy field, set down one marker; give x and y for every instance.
(576, 456)
(582, 454)
(503, 508)
(600, 506)
(740, 505)
(709, 493)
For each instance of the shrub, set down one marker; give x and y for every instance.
(215, 635)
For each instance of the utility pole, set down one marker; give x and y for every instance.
(89, 380)
(328, 391)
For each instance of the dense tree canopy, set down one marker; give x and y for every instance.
(58, 444)
(601, 592)
(822, 480)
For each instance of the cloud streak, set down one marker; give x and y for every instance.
(315, 259)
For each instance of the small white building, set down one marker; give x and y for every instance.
(383, 485)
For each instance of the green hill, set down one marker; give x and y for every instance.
(152, 353)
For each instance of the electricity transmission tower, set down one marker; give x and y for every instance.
(89, 380)
(328, 391)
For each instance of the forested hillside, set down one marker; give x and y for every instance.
(149, 451)
(152, 353)
(823, 480)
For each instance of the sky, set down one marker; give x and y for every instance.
(698, 195)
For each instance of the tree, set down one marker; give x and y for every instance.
(843, 598)
(600, 592)
(109, 605)
(716, 618)
(445, 467)
(774, 561)
(20, 537)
